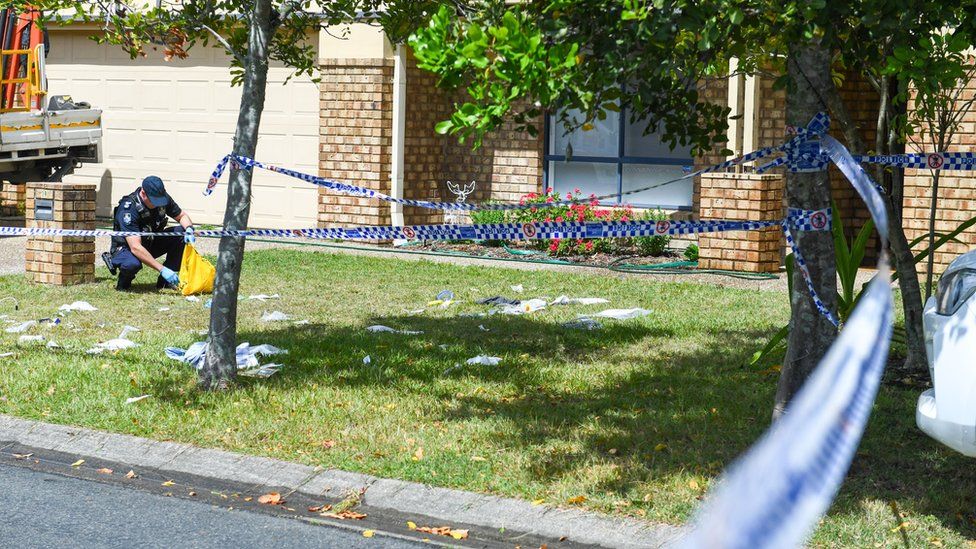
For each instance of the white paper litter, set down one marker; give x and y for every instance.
(193, 299)
(30, 339)
(416, 311)
(621, 314)
(274, 316)
(126, 330)
(566, 300)
(77, 306)
(302, 322)
(482, 328)
(443, 347)
(264, 297)
(163, 309)
(52, 345)
(367, 360)
(136, 399)
(524, 307)
(386, 329)
(22, 327)
(247, 357)
(582, 323)
(484, 360)
(5, 355)
(116, 344)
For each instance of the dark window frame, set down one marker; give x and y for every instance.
(620, 160)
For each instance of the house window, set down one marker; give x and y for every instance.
(616, 157)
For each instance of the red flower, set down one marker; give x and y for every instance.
(530, 195)
(548, 219)
(559, 219)
(533, 209)
(549, 200)
(548, 190)
(569, 196)
(577, 190)
(581, 217)
(589, 246)
(554, 245)
(624, 217)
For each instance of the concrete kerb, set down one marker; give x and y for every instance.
(404, 497)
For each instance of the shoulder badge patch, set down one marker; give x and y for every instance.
(126, 204)
(127, 218)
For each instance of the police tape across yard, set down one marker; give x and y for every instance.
(774, 495)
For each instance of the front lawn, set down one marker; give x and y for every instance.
(637, 418)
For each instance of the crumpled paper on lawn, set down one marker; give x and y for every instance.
(378, 328)
(484, 360)
(247, 358)
(566, 300)
(524, 307)
(274, 316)
(116, 344)
(27, 339)
(264, 297)
(22, 327)
(77, 306)
(621, 314)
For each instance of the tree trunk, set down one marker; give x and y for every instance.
(220, 366)
(810, 333)
(933, 206)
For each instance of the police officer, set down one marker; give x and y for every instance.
(145, 210)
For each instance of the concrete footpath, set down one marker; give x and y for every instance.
(404, 498)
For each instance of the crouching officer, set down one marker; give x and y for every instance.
(145, 211)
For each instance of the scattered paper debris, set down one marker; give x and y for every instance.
(621, 314)
(303, 322)
(193, 299)
(524, 307)
(163, 309)
(126, 330)
(416, 311)
(566, 300)
(380, 328)
(582, 323)
(52, 345)
(482, 328)
(367, 360)
(498, 300)
(77, 306)
(27, 339)
(116, 344)
(5, 355)
(263, 297)
(247, 361)
(518, 288)
(484, 360)
(274, 316)
(136, 399)
(22, 327)
(442, 346)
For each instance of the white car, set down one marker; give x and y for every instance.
(947, 412)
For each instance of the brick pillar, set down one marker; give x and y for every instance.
(61, 260)
(742, 197)
(12, 199)
(356, 129)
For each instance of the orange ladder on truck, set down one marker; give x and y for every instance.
(21, 60)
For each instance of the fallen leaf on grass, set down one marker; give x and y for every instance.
(419, 454)
(345, 515)
(576, 500)
(328, 444)
(131, 474)
(538, 501)
(78, 463)
(319, 508)
(693, 484)
(444, 531)
(168, 483)
(105, 471)
(271, 498)
(660, 447)
(478, 458)
(368, 533)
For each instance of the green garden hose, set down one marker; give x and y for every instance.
(681, 268)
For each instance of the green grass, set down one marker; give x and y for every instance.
(639, 417)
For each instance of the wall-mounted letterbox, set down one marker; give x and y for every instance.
(43, 209)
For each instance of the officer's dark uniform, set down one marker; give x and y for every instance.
(132, 215)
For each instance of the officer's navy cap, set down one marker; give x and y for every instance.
(155, 190)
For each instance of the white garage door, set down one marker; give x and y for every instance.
(176, 120)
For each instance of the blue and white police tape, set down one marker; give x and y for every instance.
(965, 161)
(798, 219)
(775, 494)
(796, 148)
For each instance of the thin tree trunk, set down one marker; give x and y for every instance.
(810, 333)
(220, 366)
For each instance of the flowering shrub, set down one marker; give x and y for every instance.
(582, 209)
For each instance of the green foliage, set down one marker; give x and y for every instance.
(655, 245)
(849, 256)
(691, 252)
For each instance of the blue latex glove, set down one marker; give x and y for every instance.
(188, 236)
(169, 276)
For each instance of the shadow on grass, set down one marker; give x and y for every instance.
(647, 409)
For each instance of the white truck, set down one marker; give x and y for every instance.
(42, 137)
